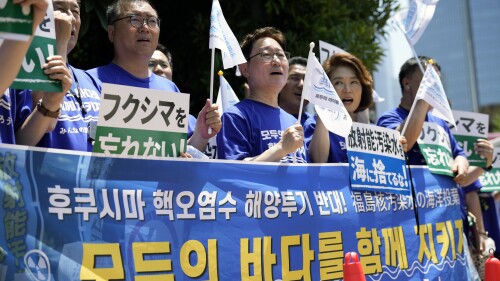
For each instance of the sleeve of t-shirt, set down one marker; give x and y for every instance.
(391, 121)
(455, 147)
(191, 125)
(309, 127)
(232, 139)
(475, 186)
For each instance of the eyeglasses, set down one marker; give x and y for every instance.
(268, 56)
(138, 21)
(153, 63)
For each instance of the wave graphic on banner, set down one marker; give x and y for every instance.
(416, 266)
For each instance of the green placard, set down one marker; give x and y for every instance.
(31, 75)
(438, 158)
(16, 23)
(467, 143)
(490, 180)
(434, 143)
(139, 143)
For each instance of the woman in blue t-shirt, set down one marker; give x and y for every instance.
(354, 85)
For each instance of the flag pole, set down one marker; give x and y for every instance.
(212, 82)
(311, 47)
(301, 108)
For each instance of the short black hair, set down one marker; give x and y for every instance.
(160, 47)
(297, 60)
(114, 9)
(411, 65)
(265, 32)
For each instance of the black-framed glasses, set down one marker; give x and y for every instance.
(138, 21)
(267, 56)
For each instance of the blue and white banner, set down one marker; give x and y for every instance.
(70, 216)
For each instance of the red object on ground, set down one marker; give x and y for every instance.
(492, 269)
(353, 269)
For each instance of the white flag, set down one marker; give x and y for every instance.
(431, 90)
(319, 90)
(414, 21)
(222, 38)
(226, 97)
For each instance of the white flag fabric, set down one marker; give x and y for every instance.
(431, 90)
(319, 90)
(226, 97)
(414, 21)
(222, 38)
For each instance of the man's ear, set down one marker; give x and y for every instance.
(406, 83)
(244, 69)
(111, 33)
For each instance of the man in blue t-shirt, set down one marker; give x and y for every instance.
(134, 29)
(257, 129)
(410, 77)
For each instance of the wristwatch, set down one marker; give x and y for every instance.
(488, 168)
(45, 112)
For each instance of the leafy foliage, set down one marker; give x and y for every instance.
(351, 25)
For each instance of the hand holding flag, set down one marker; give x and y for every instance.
(226, 97)
(319, 90)
(431, 90)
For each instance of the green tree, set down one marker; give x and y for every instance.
(351, 25)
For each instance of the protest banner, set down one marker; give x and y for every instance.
(77, 216)
(141, 122)
(376, 160)
(434, 142)
(31, 75)
(471, 126)
(16, 22)
(327, 50)
(490, 180)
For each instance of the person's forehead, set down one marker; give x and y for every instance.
(158, 55)
(342, 71)
(65, 2)
(297, 68)
(267, 43)
(140, 8)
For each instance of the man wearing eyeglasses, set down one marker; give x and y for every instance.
(134, 29)
(257, 129)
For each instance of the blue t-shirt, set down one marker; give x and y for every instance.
(191, 125)
(80, 107)
(11, 114)
(338, 147)
(393, 118)
(249, 128)
(114, 74)
(303, 119)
